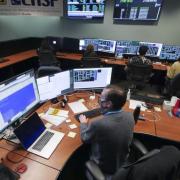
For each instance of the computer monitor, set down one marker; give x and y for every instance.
(170, 52)
(83, 43)
(86, 9)
(92, 78)
(137, 10)
(107, 46)
(154, 48)
(18, 95)
(50, 87)
(126, 47)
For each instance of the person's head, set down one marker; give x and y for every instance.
(142, 50)
(112, 98)
(89, 48)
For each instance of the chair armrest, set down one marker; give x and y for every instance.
(140, 146)
(94, 170)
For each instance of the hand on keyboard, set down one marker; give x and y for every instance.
(83, 119)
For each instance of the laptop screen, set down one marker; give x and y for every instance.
(30, 130)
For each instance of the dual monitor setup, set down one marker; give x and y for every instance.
(124, 10)
(22, 93)
(127, 47)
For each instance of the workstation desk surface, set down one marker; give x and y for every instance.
(158, 124)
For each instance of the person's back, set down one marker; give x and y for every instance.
(174, 69)
(111, 135)
(140, 59)
(89, 51)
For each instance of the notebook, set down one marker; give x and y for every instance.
(35, 138)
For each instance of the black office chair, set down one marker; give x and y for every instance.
(163, 164)
(47, 58)
(138, 74)
(47, 70)
(175, 86)
(88, 62)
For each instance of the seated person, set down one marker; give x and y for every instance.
(89, 51)
(110, 136)
(140, 59)
(46, 55)
(173, 70)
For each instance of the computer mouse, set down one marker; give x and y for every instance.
(21, 168)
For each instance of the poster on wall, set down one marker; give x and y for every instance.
(30, 7)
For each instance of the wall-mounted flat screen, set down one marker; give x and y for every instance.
(85, 9)
(137, 10)
(170, 52)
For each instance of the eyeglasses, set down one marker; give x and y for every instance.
(100, 101)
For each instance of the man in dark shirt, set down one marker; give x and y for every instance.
(111, 135)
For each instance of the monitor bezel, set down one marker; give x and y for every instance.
(7, 81)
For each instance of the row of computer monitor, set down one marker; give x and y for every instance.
(21, 93)
(122, 47)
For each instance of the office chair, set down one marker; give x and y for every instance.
(139, 74)
(47, 70)
(88, 62)
(47, 58)
(163, 164)
(175, 86)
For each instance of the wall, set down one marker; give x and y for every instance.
(166, 31)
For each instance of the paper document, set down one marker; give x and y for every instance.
(77, 107)
(57, 112)
(133, 104)
(56, 120)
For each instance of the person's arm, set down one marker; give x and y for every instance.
(86, 129)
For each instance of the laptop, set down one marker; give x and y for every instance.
(35, 138)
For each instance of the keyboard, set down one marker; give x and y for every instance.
(89, 114)
(43, 141)
(148, 99)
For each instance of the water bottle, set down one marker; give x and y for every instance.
(128, 95)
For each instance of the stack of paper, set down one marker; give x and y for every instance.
(133, 104)
(55, 116)
(77, 107)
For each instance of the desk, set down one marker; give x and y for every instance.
(15, 58)
(34, 170)
(166, 127)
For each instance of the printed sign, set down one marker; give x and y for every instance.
(30, 7)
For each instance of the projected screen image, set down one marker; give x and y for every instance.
(85, 9)
(154, 48)
(170, 52)
(91, 78)
(107, 46)
(137, 10)
(17, 96)
(52, 86)
(83, 43)
(126, 47)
